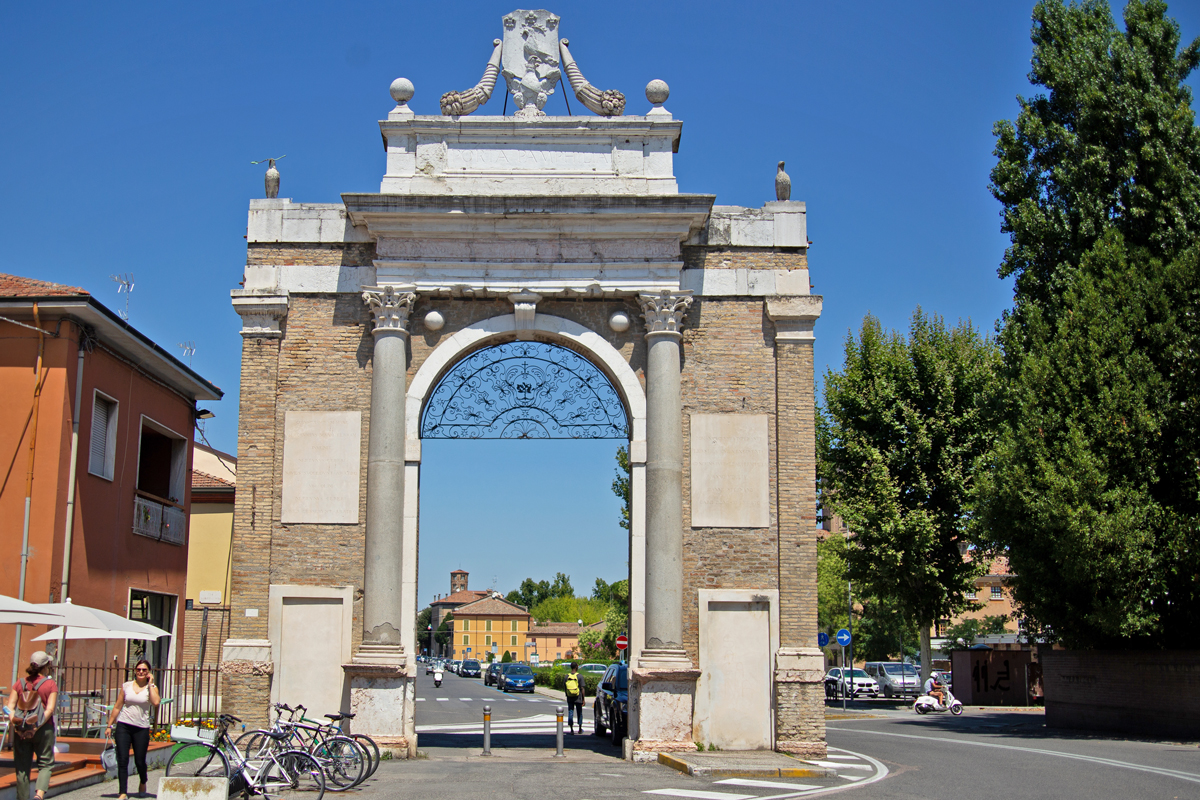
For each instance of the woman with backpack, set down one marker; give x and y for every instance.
(31, 720)
(131, 717)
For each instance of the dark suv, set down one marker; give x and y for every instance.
(489, 675)
(469, 669)
(611, 709)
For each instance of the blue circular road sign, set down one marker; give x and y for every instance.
(843, 637)
(822, 639)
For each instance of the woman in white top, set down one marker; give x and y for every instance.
(129, 724)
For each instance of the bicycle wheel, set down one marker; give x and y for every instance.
(290, 775)
(344, 763)
(368, 745)
(198, 761)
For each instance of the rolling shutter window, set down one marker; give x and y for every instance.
(101, 416)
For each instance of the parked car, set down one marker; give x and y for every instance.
(862, 683)
(610, 711)
(470, 668)
(516, 678)
(430, 666)
(894, 678)
(489, 674)
(454, 665)
(594, 669)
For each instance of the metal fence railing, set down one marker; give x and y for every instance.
(87, 693)
(157, 520)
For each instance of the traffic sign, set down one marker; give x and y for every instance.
(843, 637)
(822, 639)
(622, 642)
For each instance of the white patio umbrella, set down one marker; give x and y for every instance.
(18, 612)
(73, 616)
(95, 633)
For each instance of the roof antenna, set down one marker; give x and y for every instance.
(189, 350)
(125, 284)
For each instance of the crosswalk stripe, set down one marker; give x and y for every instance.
(443, 699)
(465, 699)
(420, 699)
(509, 700)
(845, 758)
(799, 787)
(700, 795)
(841, 765)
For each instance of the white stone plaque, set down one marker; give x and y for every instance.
(730, 471)
(321, 466)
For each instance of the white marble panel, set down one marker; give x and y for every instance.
(752, 231)
(792, 282)
(500, 157)
(730, 471)
(321, 463)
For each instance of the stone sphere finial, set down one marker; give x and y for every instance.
(657, 92)
(402, 90)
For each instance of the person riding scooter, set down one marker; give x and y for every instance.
(933, 688)
(437, 677)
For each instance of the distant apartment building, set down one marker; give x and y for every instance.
(96, 429)
(441, 606)
(491, 625)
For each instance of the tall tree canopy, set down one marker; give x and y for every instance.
(1093, 489)
(903, 425)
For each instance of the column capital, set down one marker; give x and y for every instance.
(390, 306)
(794, 317)
(262, 315)
(664, 311)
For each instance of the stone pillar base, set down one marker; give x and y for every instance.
(382, 695)
(800, 701)
(662, 700)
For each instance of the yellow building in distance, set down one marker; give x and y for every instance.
(491, 625)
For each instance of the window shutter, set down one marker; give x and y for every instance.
(98, 460)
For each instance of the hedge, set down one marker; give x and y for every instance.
(556, 678)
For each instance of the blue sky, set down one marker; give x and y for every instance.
(128, 130)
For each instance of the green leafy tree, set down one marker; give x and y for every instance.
(506, 658)
(621, 484)
(424, 635)
(562, 586)
(530, 593)
(616, 619)
(445, 631)
(904, 422)
(569, 609)
(1093, 490)
(883, 633)
(965, 632)
(602, 591)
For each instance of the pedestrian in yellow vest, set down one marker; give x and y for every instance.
(574, 698)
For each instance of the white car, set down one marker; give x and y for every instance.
(863, 683)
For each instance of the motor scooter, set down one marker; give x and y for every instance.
(926, 704)
(437, 678)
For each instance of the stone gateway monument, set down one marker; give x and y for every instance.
(552, 261)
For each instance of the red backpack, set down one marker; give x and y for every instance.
(30, 713)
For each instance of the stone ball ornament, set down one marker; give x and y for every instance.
(657, 91)
(619, 321)
(402, 90)
(434, 321)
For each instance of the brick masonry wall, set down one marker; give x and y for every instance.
(797, 495)
(350, 254)
(1096, 690)
(218, 632)
(744, 258)
(728, 368)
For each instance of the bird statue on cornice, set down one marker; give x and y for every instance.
(271, 179)
(783, 184)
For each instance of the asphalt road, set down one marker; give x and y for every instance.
(878, 753)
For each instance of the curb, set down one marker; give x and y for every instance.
(674, 762)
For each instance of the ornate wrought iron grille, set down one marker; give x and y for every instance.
(524, 390)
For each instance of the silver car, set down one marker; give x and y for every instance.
(894, 679)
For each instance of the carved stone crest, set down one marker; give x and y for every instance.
(530, 59)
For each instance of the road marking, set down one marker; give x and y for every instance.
(1169, 773)
(465, 699)
(839, 765)
(443, 699)
(420, 699)
(509, 700)
(799, 787)
(844, 758)
(700, 795)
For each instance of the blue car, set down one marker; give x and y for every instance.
(516, 678)
(611, 709)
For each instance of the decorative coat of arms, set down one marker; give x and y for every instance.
(529, 56)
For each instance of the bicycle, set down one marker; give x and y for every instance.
(282, 775)
(344, 760)
(365, 742)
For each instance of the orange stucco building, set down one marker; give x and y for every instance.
(112, 522)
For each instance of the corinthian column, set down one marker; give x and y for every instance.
(664, 313)
(390, 307)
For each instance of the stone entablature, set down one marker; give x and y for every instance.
(556, 156)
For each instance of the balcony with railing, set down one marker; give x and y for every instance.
(159, 519)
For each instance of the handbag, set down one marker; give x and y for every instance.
(108, 757)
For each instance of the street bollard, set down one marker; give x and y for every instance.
(559, 737)
(487, 730)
